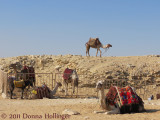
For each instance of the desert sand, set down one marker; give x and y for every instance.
(52, 108)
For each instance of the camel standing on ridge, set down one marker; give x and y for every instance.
(95, 43)
(113, 108)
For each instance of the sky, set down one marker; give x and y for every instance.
(60, 27)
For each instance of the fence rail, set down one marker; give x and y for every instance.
(86, 86)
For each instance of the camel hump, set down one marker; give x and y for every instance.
(94, 42)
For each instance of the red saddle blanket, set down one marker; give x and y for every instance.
(122, 96)
(67, 73)
(128, 96)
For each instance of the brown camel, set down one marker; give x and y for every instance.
(21, 79)
(19, 70)
(41, 92)
(95, 43)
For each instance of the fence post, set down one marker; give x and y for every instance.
(52, 81)
(55, 79)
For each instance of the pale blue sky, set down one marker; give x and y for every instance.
(53, 27)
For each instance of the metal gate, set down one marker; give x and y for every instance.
(143, 88)
(85, 87)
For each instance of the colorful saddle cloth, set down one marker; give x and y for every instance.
(122, 96)
(127, 96)
(67, 73)
(19, 84)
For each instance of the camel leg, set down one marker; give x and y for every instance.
(22, 94)
(34, 81)
(73, 86)
(97, 52)
(66, 88)
(100, 52)
(11, 93)
(73, 89)
(11, 87)
(77, 92)
(63, 86)
(87, 50)
(115, 111)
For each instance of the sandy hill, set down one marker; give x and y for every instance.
(94, 68)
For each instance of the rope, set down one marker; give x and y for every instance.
(119, 95)
(105, 50)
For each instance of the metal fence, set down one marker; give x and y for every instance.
(144, 88)
(87, 85)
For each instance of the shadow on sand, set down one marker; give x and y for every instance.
(152, 110)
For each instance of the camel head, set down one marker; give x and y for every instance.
(107, 46)
(100, 85)
(59, 84)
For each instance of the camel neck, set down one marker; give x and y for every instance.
(55, 90)
(102, 99)
(102, 46)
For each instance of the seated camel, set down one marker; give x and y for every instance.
(119, 100)
(43, 91)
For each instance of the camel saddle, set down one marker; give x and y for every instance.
(94, 41)
(19, 83)
(67, 73)
(122, 96)
(41, 92)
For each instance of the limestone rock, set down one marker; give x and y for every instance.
(109, 77)
(70, 112)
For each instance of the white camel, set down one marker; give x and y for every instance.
(111, 108)
(70, 76)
